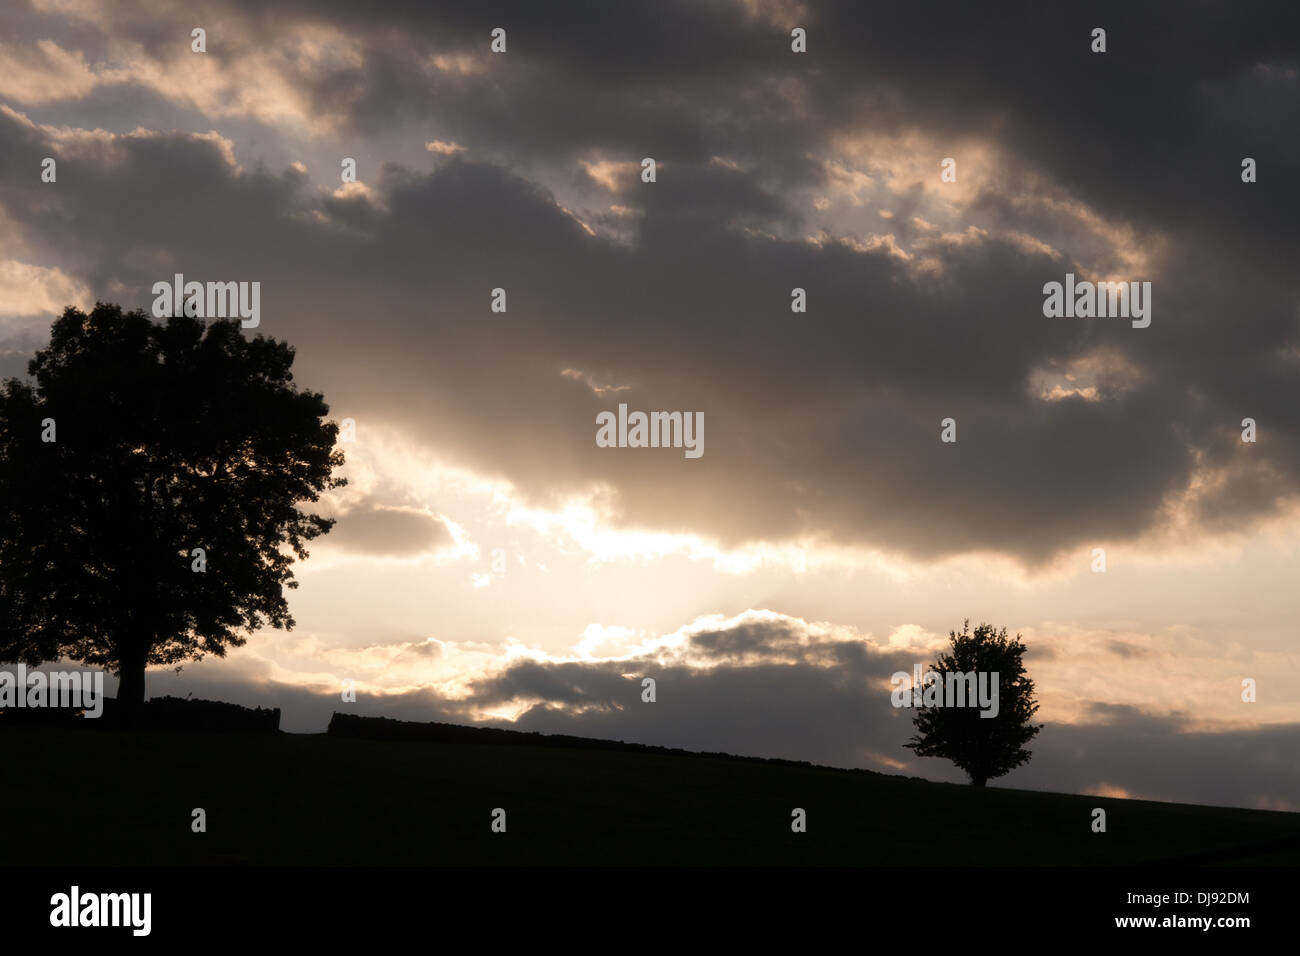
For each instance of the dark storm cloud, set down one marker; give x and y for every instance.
(374, 529)
(1153, 131)
(560, 684)
(1126, 650)
(750, 640)
(824, 423)
(1135, 130)
(1148, 758)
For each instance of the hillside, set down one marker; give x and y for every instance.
(110, 797)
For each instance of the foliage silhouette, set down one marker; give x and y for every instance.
(167, 438)
(984, 747)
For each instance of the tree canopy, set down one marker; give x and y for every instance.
(984, 747)
(150, 475)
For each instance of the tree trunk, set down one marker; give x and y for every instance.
(130, 683)
(977, 781)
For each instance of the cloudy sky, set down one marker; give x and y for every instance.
(492, 563)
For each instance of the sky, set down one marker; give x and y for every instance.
(491, 562)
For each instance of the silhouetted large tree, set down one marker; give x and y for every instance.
(167, 438)
(984, 747)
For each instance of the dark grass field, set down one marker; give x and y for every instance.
(110, 798)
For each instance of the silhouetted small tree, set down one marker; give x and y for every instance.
(148, 486)
(984, 747)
